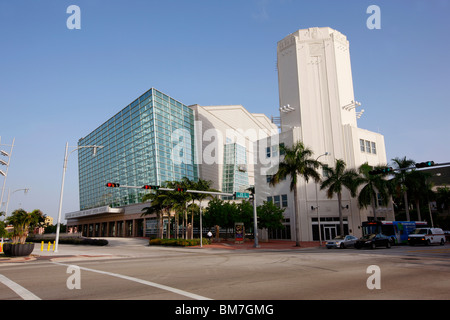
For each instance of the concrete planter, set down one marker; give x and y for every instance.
(18, 249)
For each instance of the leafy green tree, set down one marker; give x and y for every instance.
(221, 213)
(443, 198)
(297, 163)
(213, 213)
(337, 179)
(270, 215)
(244, 213)
(3, 232)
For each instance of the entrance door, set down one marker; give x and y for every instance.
(330, 232)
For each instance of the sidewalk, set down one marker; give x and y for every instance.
(133, 247)
(271, 244)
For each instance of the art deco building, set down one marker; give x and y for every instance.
(318, 107)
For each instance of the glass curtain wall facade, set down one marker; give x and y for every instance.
(139, 145)
(235, 174)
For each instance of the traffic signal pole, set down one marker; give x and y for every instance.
(420, 165)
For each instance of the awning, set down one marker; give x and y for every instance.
(94, 211)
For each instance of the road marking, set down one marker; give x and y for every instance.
(145, 282)
(17, 288)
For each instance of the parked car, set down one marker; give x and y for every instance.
(427, 236)
(373, 240)
(447, 236)
(341, 242)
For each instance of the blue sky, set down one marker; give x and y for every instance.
(57, 85)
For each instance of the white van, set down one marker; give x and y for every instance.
(427, 236)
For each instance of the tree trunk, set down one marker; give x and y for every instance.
(405, 196)
(297, 218)
(192, 224)
(160, 226)
(175, 231)
(186, 218)
(374, 207)
(183, 231)
(418, 210)
(168, 228)
(341, 219)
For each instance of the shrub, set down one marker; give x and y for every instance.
(80, 241)
(177, 242)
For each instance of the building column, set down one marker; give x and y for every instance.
(134, 229)
(144, 222)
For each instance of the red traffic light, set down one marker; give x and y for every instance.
(112, 185)
(148, 187)
(180, 189)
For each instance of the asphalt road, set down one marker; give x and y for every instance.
(405, 273)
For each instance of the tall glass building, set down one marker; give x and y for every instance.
(150, 141)
(235, 175)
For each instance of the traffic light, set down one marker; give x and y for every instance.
(112, 185)
(425, 164)
(148, 187)
(180, 189)
(384, 170)
(387, 170)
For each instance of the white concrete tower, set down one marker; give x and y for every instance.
(316, 88)
(317, 106)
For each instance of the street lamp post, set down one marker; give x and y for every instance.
(66, 155)
(317, 204)
(252, 189)
(5, 174)
(25, 190)
(255, 222)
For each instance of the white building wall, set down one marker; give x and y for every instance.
(315, 80)
(217, 123)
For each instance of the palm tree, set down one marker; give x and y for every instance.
(157, 207)
(418, 187)
(338, 178)
(179, 200)
(165, 202)
(373, 185)
(297, 162)
(401, 164)
(201, 185)
(21, 220)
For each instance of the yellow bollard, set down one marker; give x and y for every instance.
(48, 246)
(42, 246)
(54, 244)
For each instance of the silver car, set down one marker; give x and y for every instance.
(341, 242)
